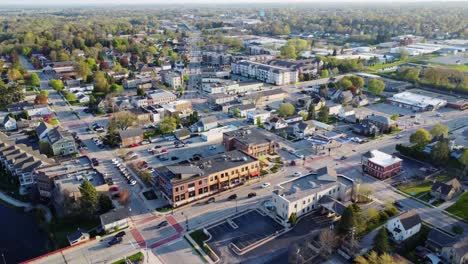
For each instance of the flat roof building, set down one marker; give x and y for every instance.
(250, 141)
(416, 102)
(380, 164)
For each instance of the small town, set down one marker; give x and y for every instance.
(234, 132)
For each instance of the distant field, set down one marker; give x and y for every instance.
(460, 208)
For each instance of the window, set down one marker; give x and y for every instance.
(190, 185)
(200, 191)
(176, 198)
(181, 188)
(177, 189)
(295, 205)
(205, 189)
(182, 196)
(211, 178)
(199, 182)
(205, 181)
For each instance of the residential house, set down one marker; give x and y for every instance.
(380, 164)
(275, 123)
(131, 136)
(384, 123)
(43, 129)
(205, 124)
(241, 110)
(182, 134)
(360, 100)
(446, 190)
(453, 250)
(114, 220)
(9, 123)
(293, 119)
(334, 109)
(143, 116)
(342, 97)
(60, 141)
(346, 111)
(404, 226)
(250, 141)
(366, 128)
(262, 115)
(77, 237)
(302, 129)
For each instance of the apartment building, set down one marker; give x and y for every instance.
(380, 164)
(265, 73)
(161, 96)
(172, 79)
(191, 180)
(249, 141)
(311, 192)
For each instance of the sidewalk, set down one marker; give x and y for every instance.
(12, 201)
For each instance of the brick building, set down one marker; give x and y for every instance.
(380, 165)
(250, 141)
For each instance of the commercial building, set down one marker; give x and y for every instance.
(161, 96)
(216, 134)
(181, 108)
(191, 180)
(251, 141)
(261, 115)
(231, 87)
(380, 165)
(416, 102)
(265, 73)
(305, 194)
(131, 136)
(262, 98)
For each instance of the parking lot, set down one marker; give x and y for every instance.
(244, 235)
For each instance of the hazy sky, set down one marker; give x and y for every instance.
(116, 2)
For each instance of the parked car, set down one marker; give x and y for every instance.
(232, 197)
(266, 185)
(120, 234)
(398, 204)
(132, 181)
(297, 174)
(114, 241)
(343, 158)
(162, 224)
(174, 158)
(252, 194)
(95, 162)
(114, 189)
(210, 200)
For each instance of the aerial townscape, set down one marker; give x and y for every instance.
(206, 132)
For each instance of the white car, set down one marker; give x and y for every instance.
(212, 147)
(133, 182)
(297, 174)
(266, 185)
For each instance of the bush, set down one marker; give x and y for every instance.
(383, 217)
(457, 229)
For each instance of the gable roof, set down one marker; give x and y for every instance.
(114, 216)
(440, 239)
(445, 188)
(130, 133)
(409, 219)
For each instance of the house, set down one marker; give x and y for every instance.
(253, 116)
(449, 249)
(346, 111)
(293, 119)
(360, 100)
(82, 98)
(446, 191)
(366, 128)
(342, 97)
(77, 237)
(250, 141)
(334, 109)
(302, 129)
(182, 133)
(384, 123)
(275, 123)
(61, 142)
(205, 124)
(9, 123)
(131, 136)
(380, 164)
(241, 110)
(114, 220)
(404, 226)
(43, 129)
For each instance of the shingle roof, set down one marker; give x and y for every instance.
(409, 219)
(440, 239)
(130, 133)
(114, 216)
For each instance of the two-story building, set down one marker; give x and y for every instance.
(380, 164)
(404, 226)
(250, 141)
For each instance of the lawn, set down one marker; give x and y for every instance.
(199, 236)
(150, 195)
(416, 189)
(165, 209)
(460, 208)
(133, 258)
(60, 228)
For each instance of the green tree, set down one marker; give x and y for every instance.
(34, 80)
(112, 137)
(381, 244)
(323, 114)
(288, 52)
(116, 88)
(168, 125)
(347, 222)
(394, 117)
(286, 109)
(124, 119)
(324, 73)
(259, 122)
(104, 203)
(357, 81)
(439, 130)
(100, 82)
(71, 97)
(83, 70)
(292, 218)
(236, 112)
(140, 91)
(311, 111)
(376, 86)
(89, 197)
(404, 54)
(421, 138)
(56, 84)
(440, 152)
(463, 159)
(345, 84)
(14, 75)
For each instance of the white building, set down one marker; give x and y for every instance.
(231, 87)
(161, 96)
(115, 219)
(265, 73)
(9, 123)
(416, 102)
(216, 134)
(303, 195)
(252, 116)
(404, 225)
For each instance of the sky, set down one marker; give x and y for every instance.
(130, 2)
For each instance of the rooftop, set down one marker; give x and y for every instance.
(248, 136)
(114, 216)
(381, 158)
(409, 219)
(416, 99)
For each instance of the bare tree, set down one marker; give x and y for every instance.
(327, 241)
(124, 197)
(295, 256)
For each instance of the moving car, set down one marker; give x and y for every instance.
(114, 241)
(266, 185)
(95, 162)
(252, 194)
(210, 200)
(120, 234)
(162, 224)
(297, 174)
(232, 197)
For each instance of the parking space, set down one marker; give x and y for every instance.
(242, 233)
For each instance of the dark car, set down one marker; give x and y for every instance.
(120, 234)
(343, 158)
(211, 200)
(252, 194)
(114, 241)
(232, 197)
(156, 147)
(174, 158)
(95, 162)
(398, 204)
(162, 224)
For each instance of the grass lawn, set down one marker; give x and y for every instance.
(460, 208)
(133, 258)
(150, 195)
(425, 197)
(164, 209)
(444, 178)
(199, 237)
(416, 189)
(60, 228)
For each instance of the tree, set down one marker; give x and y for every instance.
(439, 130)
(100, 82)
(421, 138)
(323, 114)
(56, 84)
(116, 88)
(112, 138)
(328, 241)
(288, 52)
(41, 99)
(292, 218)
(345, 84)
(14, 75)
(259, 122)
(376, 86)
(381, 244)
(145, 176)
(372, 215)
(286, 109)
(140, 91)
(124, 197)
(404, 54)
(236, 112)
(82, 69)
(124, 119)
(311, 112)
(357, 81)
(105, 203)
(347, 222)
(324, 73)
(167, 125)
(365, 191)
(463, 159)
(89, 197)
(34, 80)
(440, 152)
(394, 117)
